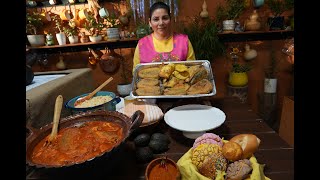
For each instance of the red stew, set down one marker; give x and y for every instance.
(160, 172)
(76, 144)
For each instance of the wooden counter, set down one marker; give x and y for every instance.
(274, 152)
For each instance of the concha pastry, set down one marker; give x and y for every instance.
(200, 153)
(208, 138)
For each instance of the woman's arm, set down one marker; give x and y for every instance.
(190, 55)
(136, 58)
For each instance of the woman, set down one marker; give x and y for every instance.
(162, 44)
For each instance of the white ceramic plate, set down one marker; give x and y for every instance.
(194, 119)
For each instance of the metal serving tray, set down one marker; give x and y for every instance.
(205, 63)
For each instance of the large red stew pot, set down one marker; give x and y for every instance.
(83, 138)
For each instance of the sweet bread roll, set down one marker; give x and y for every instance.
(248, 142)
(212, 164)
(232, 151)
(239, 170)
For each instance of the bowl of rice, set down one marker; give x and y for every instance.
(102, 100)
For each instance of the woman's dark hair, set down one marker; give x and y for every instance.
(159, 5)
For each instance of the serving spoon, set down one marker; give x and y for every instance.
(82, 99)
(56, 118)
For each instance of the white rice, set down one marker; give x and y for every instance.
(94, 101)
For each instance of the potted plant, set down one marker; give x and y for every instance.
(143, 29)
(94, 28)
(72, 34)
(203, 35)
(61, 36)
(33, 25)
(228, 13)
(238, 76)
(271, 70)
(112, 24)
(278, 7)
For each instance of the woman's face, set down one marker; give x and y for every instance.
(160, 22)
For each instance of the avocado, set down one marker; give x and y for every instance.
(142, 140)
(158, 146)
(144, 154)
(160, 137)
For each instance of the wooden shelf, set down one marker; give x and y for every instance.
(132, 42)
(255, 35)
(114, 44)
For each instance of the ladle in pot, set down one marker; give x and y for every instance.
(82, 99)
(56, 118)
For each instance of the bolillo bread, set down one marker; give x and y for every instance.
(232, 151)
(248, 142)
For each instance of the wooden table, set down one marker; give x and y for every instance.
(273, 151)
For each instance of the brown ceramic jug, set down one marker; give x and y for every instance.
(110, 61)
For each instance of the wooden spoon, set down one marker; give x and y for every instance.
(56, 118)
(81, 100)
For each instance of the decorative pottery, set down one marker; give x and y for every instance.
(124, 89)
(113, 33)
(36, 40)
(103, 12)
(162, 168)
(83, 38)
(270, 85)
(61, 38)
(110, 61)
(252, 24)
(228, 25)
(249, 54)
(60, 64)
(65, 15)
(83, 14)
(49, 40)
(204, 13)
(95, 38)
(257, 3)
(73, 39)
(238, 79)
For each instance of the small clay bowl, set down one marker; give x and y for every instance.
(162, 168)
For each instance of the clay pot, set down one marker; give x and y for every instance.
(238, 79)
(253, 24)
(249, 54)
(162, 168)
(110, 61)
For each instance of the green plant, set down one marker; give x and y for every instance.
(58, 23)
(203, 35)
(33, 23)
(71, 31)
(280, 6)
(239, 68)
(230, 11)
(112, 21)
(92, 26)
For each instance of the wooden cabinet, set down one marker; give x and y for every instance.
(286, 130)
